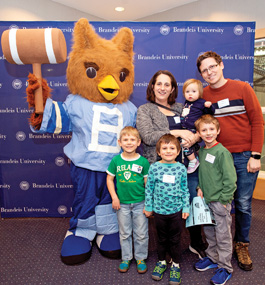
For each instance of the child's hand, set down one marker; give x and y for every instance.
(147, 213)
(199, 192)
(207, 104)
(185, 215)
(116, 204)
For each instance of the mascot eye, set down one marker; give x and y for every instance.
(91, 69)
(91, 72)
(123, 74)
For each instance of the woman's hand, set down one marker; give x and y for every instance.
(188, 137)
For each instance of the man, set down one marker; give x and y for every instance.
(242, 133)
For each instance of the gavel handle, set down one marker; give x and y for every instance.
(38, 92)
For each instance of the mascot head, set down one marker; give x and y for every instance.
(101, 70)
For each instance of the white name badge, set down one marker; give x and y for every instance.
(223, 103)
(210, 158)
(177, 120)
(137, 168)
(168, 178)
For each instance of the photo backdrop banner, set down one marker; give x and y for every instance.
(34, 172)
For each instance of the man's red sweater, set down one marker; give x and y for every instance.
(239, 114)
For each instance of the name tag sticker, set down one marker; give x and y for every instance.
(223, 103)
(210, 158)
(168, 178)
(177, 120)
(137, 168)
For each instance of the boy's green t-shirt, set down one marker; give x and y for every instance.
(129, 178)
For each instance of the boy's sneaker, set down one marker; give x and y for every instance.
(174, 275)
(124, 266)
(221, 276)
(205, 264)
(141, 266)
(193, 166)
(243, 258)
(159, 271)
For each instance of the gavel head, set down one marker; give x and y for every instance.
(29, 46)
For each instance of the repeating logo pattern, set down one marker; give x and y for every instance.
(238, 30)
(62, 209)
(17, 84)
(164, 30)
(20, 136)
(24, 185)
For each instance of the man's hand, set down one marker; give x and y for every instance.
(253, 165)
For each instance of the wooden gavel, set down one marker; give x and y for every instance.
(36, 47)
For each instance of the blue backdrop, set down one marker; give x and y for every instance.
(34, 172)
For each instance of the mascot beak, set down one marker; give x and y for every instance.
(109, 88)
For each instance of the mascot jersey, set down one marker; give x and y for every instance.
(95, 128)
(95, 131)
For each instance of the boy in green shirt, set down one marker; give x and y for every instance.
(130, 170)
(217, 184)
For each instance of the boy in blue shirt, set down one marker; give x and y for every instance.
(167, 196)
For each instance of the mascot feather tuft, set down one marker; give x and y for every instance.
(100, 76)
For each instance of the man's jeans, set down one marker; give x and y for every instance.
(132, 221)
(246, 182)
(193, 181)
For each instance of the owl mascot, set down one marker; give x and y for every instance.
(100, 76)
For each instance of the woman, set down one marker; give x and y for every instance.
(161, 116)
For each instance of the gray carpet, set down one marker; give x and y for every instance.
(30, 254)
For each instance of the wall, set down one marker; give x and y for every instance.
(40, 10)
(202, 10)
(215, 10)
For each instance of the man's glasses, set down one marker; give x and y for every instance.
(210, 68)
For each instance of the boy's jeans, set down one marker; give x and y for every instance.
(132, 221)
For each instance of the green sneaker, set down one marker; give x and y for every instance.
(174, 276)
(124, 266)
(159, 271)
(141, 266)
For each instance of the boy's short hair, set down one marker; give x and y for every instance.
(167, 138)
(130, 131)
(191, 81)
(207, 119)
(208, 54)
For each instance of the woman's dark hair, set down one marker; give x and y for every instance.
(150, 95)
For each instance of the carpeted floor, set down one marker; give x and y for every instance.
(30, 254)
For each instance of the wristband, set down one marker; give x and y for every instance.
(255, 156)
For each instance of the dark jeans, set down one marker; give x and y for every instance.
(195, 231)
(246, 182)
(169, 229)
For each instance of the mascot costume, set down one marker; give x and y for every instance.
(100, 76)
